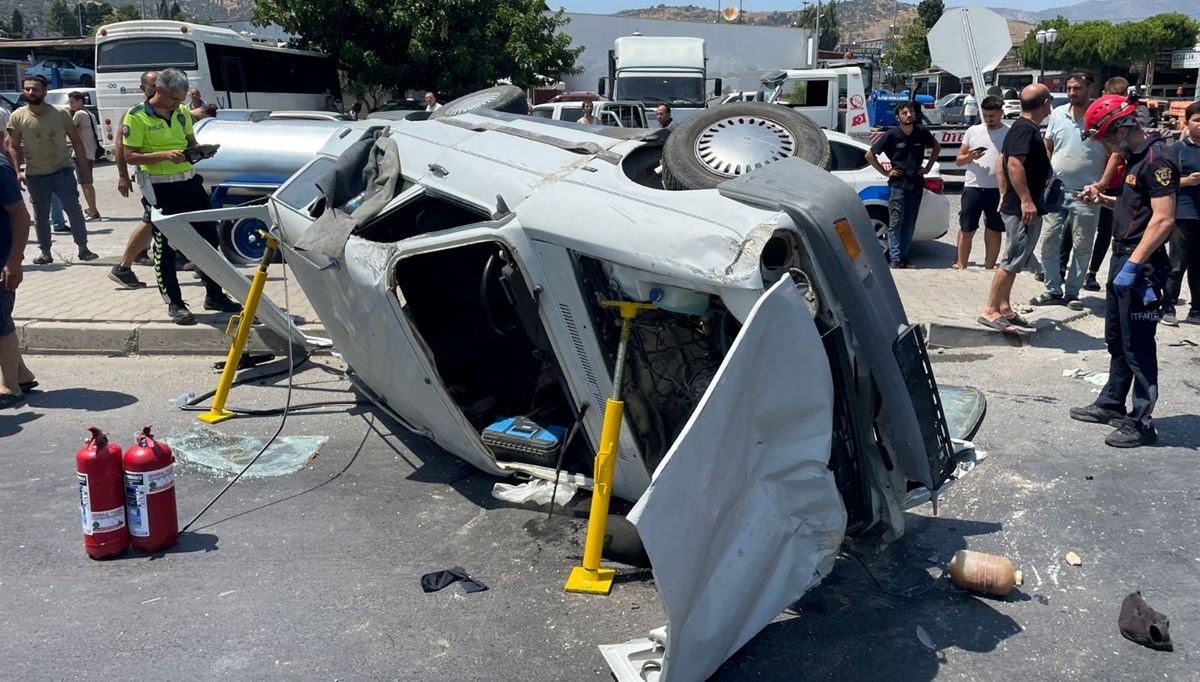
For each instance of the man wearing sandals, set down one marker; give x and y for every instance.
(1023, 174)
(48, 169)
(15, 377)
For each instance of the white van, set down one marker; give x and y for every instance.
(626, 114)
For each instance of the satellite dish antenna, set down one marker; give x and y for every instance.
(967, 41)
(731, 13)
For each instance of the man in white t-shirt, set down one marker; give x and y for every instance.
(981, 194)
(970, 108)
(431, 103)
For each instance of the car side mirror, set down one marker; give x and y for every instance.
(717, 87)
(600, 86)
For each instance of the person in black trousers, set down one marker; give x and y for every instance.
(1184, 246)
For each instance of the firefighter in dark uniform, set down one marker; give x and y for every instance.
(1144, 216)
(156, 133)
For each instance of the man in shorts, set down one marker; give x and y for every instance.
(1023, 174)
(981, 191)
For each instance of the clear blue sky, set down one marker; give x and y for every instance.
(610, 6)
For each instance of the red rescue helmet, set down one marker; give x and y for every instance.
(1108, 113)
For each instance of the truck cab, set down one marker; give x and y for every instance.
(833, 97)
(656, 70)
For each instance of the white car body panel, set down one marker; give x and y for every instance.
(758, 535)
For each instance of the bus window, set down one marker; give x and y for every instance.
(235, 82)
(139, 54)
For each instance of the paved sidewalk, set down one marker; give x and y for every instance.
(71, 307)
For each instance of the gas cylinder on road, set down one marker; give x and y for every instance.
(101, 496)
(150, 494)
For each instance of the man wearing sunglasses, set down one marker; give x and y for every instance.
(1144, 216)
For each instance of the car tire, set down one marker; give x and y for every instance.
(728, 140)
(879, 222)
(87, 81)
(508, 98)
(241, 243)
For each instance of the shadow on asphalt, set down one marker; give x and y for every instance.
(932, 255)
(188, 543)
(849, 628)
(1179, 431)
(1067, 339)
(89, 399)
(11, 424)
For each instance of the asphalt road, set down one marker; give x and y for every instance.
(314, 575)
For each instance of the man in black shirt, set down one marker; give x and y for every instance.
(1143, 218)
(1022, 175)
(905, 147)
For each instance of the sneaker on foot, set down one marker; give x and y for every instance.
(91, 215)
(223, 304)
(125, 277)
(1040, 277)
(144, 260)
(1131, 437)
(180, 314)
(61, 229)
(1094, 414)
(1193, 316)
(86, 255)
(1090, 284)
(1046, 298)
(43, 259)
(1169, 318)
(1074, 303)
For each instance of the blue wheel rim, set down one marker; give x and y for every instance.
(246, 240)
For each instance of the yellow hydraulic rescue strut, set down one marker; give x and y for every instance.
(244, 321)
(589, 577)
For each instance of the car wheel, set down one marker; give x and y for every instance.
(729, 140)
(87, 81)
(879, 223)
(507, 98)
(241, 241)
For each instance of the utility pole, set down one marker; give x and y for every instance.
(817, 39)
(79, 11)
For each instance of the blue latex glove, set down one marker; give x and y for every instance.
(1128, 275)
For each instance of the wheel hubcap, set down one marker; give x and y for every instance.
(739, 144)
(881, 232)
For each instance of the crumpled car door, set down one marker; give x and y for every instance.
(743, 515)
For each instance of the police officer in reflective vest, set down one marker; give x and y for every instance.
(155, 134)
(1144, 216)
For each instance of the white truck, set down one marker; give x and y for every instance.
(659, 69)
(835, 97)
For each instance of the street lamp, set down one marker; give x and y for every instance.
(1045, 38)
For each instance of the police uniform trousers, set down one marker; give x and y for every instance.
(181, 197)
(1129, 328)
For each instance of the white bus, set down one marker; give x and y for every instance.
(233, 70)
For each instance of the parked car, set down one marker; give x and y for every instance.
(403, 105)
(309, 116)
(951, 107)
(577, 96)
(848, 161)
(1012, 107)
(70, 72)
(776, 397)
(628, 114)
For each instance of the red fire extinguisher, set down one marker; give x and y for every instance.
(150, 494)
(101, 496)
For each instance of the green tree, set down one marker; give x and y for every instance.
(451, 46)
(929, 11)
(909, 53)
(170, 11)
(61, 19)
(17, 25)
(831, 26)
(1096, 44)
(125, 13)
(95, 15)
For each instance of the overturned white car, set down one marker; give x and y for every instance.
(776, 398)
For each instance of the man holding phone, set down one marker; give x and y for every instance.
(979, 152)
(158, 137)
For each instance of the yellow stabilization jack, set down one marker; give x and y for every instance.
(590, 578)
(244, 322)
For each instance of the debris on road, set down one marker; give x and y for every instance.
(537, 491)
(1093, 378)
(1143, 625)
(228, 453)
(926, 639)
(984, 572)
(1073, 559)
(438, 580)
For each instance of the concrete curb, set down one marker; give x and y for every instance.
(953, 334)
(48, 337)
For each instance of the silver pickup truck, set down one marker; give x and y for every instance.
(777, 398)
